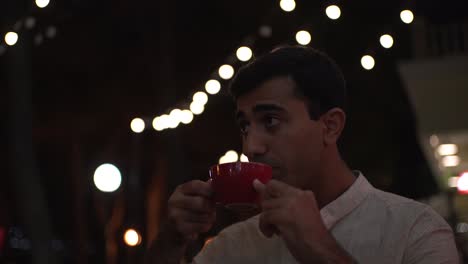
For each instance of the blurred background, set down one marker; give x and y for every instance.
(109, 105)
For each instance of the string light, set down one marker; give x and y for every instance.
(303, 37)
(333, 12)
(196, 108)
(186, 117)
(386, 41)
(244, 53)
(212, 86)
(200, 97)
(157, 124)
(368, 62)
(226, 71)
(447, 149)
(11, 38)
(42, 3)
(407, 16)
(287, 5)
(165, 121)
(172, 121)
(107, 178)
(451, 161)
(176, 117)
(244, 158)
(229, 156)
(132, 237)
(137, 125)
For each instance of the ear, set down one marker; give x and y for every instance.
(334, 122)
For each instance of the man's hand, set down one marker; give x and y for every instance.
(191, 209)
(293, 215)
(191, 212)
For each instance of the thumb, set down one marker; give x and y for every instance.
(259, 186)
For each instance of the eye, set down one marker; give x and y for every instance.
(243, 126)
(270, 122)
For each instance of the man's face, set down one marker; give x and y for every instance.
(277, 130)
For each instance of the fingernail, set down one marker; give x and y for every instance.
(257, 184)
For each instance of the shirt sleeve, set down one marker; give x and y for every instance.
(431, 241)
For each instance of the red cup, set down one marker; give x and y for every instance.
(232, 182)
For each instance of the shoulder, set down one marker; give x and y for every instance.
(406, 208)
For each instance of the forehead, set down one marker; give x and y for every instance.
(278, 91)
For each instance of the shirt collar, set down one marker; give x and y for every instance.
(346, 202)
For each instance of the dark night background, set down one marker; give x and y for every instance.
(68, 102)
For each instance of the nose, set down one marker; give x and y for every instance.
(254, 145)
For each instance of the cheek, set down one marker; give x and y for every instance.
(309, 149)
(299, 152)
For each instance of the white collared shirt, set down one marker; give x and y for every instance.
(371, 225)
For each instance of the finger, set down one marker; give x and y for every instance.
(272, 204)
(259, 186)
(193, 203)
(267, 228)
(197, 188)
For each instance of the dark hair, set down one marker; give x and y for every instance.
(317, 77)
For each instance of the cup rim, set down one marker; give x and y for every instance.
(228, 163)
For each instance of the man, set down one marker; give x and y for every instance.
(315, 210)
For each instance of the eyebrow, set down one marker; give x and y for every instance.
(262, 108)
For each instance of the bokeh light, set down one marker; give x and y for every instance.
(226, 71)
(42, 3)
(157, 124)
(229, 156)
(107, 178)
(303, 37)
(452, 182)
(447, 149)
(132, 237)
(368, 62)
(11, 38)
(200, 97)
(407, 16)
(137, 125)
(244, 158)
(287, 5)
(434, 140)
(244, 53)
(462, 183)
(451, 161)
(265, 31)
(186, 117)
(212, 86)
(386, 41)
(333, 12)
(176, 114)
(196, 108)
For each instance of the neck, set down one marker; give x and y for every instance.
(335, 179)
